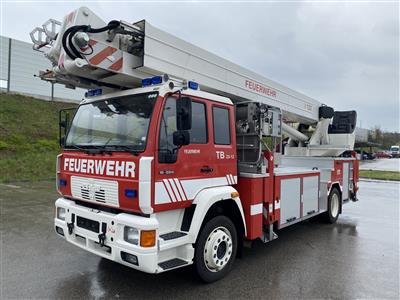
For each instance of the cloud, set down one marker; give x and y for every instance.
(343, 54)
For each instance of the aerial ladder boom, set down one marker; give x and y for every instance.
(86, 52)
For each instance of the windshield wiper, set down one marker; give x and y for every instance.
(89, 149)
(124, 147)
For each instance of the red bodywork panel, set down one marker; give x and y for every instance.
(104, 167)
(176, 179)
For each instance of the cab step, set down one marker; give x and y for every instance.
(172, 235)
(172, 263)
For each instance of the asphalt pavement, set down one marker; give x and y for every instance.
(381, 164)
(358, 257)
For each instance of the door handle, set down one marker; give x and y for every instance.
(206, 169)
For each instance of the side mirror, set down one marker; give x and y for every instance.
(181, 138)
(65, 118)
(62, 141)
(184, 113)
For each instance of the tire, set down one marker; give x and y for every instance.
(215, 249)
(334, 203)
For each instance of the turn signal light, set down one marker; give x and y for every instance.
(147, 238)
(234, 194)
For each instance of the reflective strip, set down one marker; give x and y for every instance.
(256, 209)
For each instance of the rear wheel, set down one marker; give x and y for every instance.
(334, 202)
(215, 249)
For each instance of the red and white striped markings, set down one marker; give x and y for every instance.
(175, 190)
(103, 56)
(231, 179)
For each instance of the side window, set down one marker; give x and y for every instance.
(198, 133)
(222, 132)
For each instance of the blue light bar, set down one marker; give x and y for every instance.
(193, 85)
(130, 193)
(146, 82)
(95, 92)
(156, 80)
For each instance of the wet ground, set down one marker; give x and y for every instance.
(356, 258)
(381, 164)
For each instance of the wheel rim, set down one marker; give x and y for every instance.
(334, 205)
(218, 249)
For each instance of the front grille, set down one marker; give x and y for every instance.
(95, 190)
(99, 195)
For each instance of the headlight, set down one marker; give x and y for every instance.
(61, 213)
(131, 235)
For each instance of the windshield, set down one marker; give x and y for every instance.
(120, 123)
(395, 148)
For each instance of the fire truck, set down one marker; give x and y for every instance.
(176, 156)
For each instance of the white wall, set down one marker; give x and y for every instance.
(25, 62)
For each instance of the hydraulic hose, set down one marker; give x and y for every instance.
(68, 35)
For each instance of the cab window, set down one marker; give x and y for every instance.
(222, 131)
(198, 132)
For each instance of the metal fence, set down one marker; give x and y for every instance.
(18, 65)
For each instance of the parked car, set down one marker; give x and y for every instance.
(395, 151)
(383, 154)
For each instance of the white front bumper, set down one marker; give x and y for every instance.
(147, 258)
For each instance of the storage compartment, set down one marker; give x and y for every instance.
(290, 200)
(310, 195)
(296, 194)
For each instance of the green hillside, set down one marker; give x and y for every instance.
(28, 137)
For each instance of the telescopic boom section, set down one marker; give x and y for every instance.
(87, 53)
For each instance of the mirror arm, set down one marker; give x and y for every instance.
(178, 92)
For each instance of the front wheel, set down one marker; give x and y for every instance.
(215, 249)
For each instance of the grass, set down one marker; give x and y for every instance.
(381, 175)
(28, 137)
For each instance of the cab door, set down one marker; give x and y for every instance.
(224, 142)
(180, 173)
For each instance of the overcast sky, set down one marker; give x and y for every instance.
(343, 54)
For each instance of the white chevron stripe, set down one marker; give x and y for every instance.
(169, 189)
(228, 179)
(178, 185)
(177, 195)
